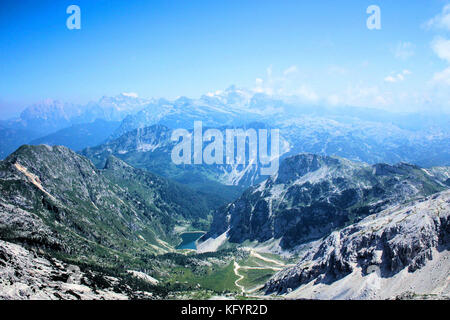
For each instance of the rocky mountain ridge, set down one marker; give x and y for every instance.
(61, 219)
(57, 200)
(313, 195)
(359, 134)
(403, 249)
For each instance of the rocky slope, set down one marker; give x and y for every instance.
(56, 200)
(177, 201)
(154, 139)
(311, 196)
(25, 275)
(400, 252)
(143, 140)
(150, 148)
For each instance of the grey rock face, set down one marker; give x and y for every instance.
(313, 195)
(398, 238)
(26, 275)
(18, 225)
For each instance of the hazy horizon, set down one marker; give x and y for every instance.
(15, 112)
(321, 52)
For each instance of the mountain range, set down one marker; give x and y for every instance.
(359, 134)
(151, 148)
(93, 207)
(313, 195)
(42, 122)
(80, 136)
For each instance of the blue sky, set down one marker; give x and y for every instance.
(321, 51)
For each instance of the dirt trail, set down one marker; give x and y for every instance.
(279, 266)
(236, 272)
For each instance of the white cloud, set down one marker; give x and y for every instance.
(290, 70)
(284, 83)
(441, 47)
(307, 93)
(334, 100)
(442, 77)
(269, 71)
(365, 96)
(390, 79)
(130, 94)
(440, 21)
(397, 77)
(360, 96)
(337, 70)
(404, 50)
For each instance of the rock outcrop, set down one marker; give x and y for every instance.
(399, 250)
(25, 275)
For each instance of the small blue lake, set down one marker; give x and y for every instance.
(189, 240)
